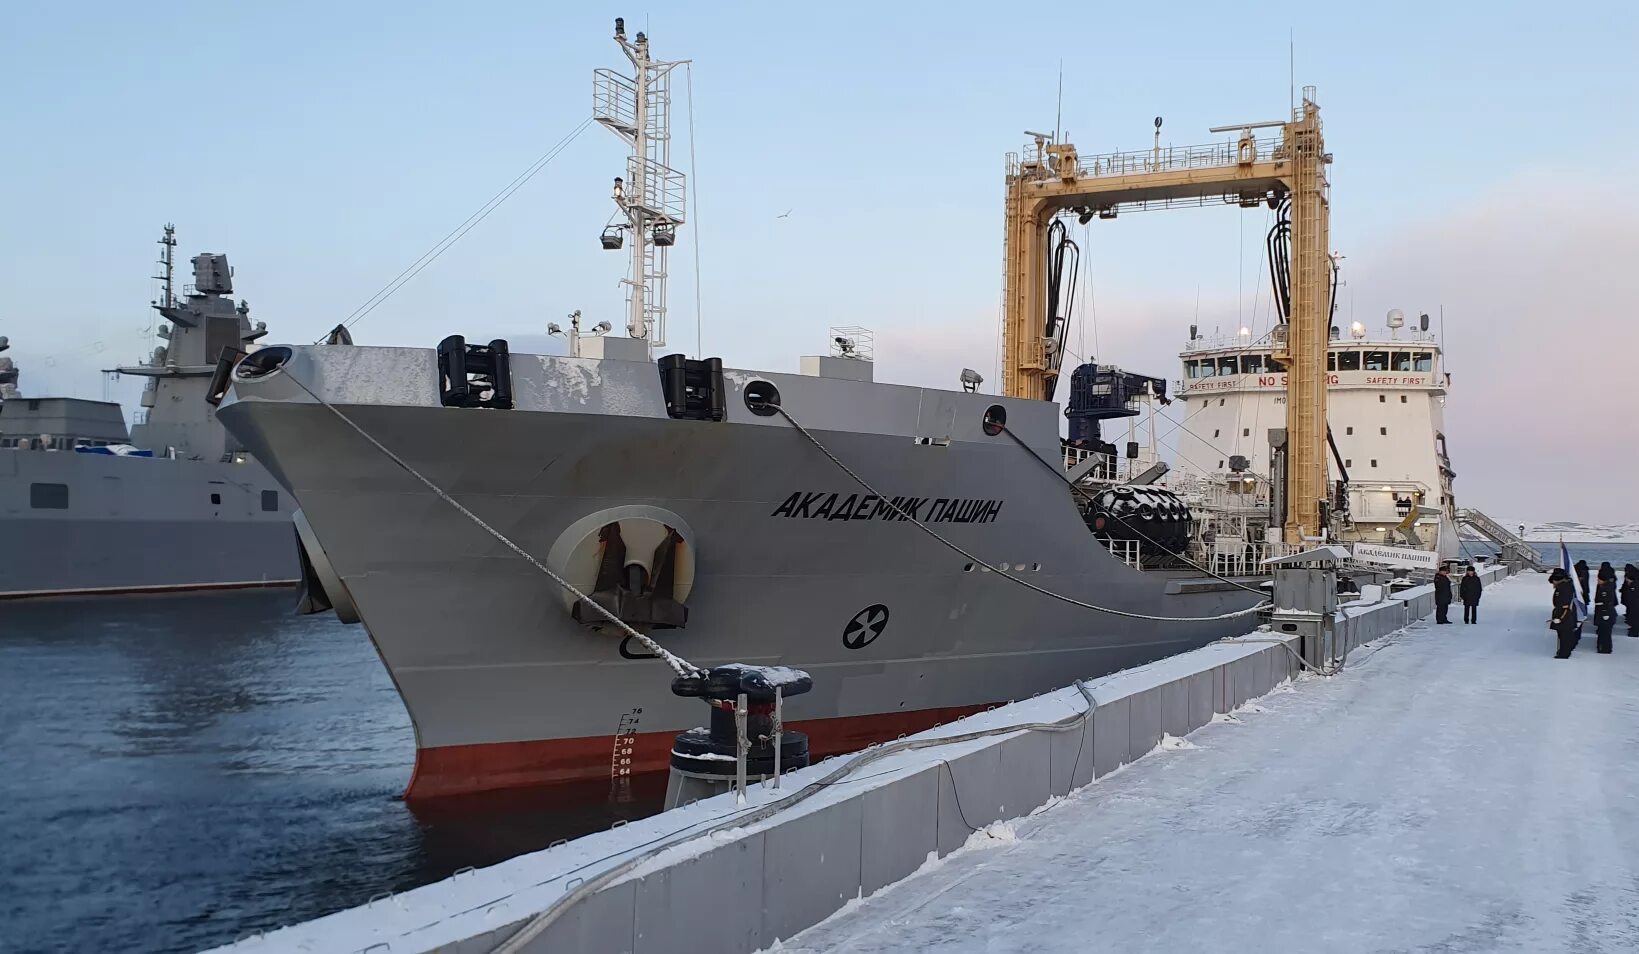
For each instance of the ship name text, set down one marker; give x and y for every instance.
(821, 505)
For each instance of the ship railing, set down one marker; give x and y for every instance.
(1238, 557)
(1215, 155)
(614, 100)
(1217, 494)
(1108, 468)
(1102, 466)
(1126, 551)
(658, 188)
(1424, 340)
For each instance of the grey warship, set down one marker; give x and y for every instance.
(922, 553)
(175, 504)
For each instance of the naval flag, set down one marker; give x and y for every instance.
(1565, 564)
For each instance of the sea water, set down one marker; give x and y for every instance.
(178, 772)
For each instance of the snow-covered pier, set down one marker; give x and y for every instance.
(1452, 788)
(1457, 789)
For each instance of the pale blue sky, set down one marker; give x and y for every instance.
(325, 146)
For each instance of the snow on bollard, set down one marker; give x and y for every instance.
(745, 739)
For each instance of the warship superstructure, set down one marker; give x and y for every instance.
(175, 504)
(923, 553)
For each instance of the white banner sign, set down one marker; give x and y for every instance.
(1396, 556)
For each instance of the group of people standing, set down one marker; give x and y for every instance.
(1469, 589)
(1602, 602)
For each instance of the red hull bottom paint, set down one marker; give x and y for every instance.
(451, 770)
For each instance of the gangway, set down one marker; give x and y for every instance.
(1513, 547)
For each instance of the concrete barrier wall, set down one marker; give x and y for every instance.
(743, 889)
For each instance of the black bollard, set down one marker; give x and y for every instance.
(745, 702)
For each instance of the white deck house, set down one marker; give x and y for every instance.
(1387, 403)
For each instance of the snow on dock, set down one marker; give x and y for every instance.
(1457, 789)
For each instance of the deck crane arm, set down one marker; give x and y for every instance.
(1053, 179)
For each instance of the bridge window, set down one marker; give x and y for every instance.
(1252, 364)
(1377, 361)
(48, 496)
(1192, 369)
(1348, 361)
(1400, 361)
(1275, 364)
(1228, 365)
(1422, 361)
(1209, 368)
(1331, 360)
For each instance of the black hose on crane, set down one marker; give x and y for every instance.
(1062, 250)
(1279, 244)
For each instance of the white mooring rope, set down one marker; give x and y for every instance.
(677, 663)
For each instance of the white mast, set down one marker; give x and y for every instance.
(652, 195)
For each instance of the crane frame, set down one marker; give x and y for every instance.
(1054, 179)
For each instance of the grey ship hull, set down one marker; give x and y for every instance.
(505, 689)
(136, 524)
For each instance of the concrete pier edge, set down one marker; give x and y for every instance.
(742, 889)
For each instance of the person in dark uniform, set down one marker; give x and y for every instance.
(1604, 608)
(1469, 590)
(1630, 597)
(1581, 568)
(1564, 622)
(1442, 594)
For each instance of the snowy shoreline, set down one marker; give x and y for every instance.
(1574, 532)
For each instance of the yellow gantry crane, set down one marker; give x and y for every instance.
(1052, 180)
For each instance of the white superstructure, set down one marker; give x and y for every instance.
(1387, 401)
